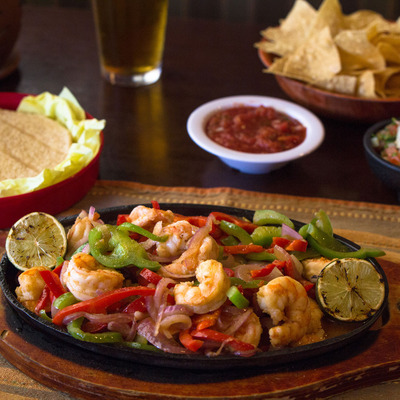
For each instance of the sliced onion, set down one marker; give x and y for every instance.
(100, 318)
(128, 331)
(275, 273)
(173, 323)
(299, 266)
(146, 328)
(177, 309)
(290, 233)
(282, 255)
(243, 271)
(238, 321)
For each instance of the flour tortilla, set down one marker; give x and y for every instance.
(29, 143)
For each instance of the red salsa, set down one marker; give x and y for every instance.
(255, 129)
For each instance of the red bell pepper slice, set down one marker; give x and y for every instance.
(150, 276)
(138, 304)
(243, 249)
(121, 218)
(203, 321)
(297, 245)
(246, 225)
(230, 272)
(189, 342)
(200, 221)
(155, 205)
(44, 300)
(256, 273)
(99, 304)
(52, 280)
(280, 241)
(220, 337)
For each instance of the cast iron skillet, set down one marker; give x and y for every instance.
(8, 283)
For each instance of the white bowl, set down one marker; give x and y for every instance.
(249, 162)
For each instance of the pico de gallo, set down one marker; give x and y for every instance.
(386, 142)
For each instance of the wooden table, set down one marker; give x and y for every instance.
(209, 54)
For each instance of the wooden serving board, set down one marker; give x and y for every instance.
(373, 359)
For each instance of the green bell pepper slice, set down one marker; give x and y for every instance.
(262, 256)
(230, 241)
(120, 250)
(141, 346)
(237, 299)
(330, 253)
(74, 329)
(324, 239)
(236, 231)
(254, 284)
(129, 227)
(271, 217)
(323, 222)
(263, 235)
(65, 300)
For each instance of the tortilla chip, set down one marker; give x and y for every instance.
(329, 14)
(343, 84)
(352, 54)
(316, 59)
(357, 52)
(361, 19)
(290, 34)
(389, 52)
(366, 85)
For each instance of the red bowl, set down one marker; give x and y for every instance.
(334, 105)
(52, 199)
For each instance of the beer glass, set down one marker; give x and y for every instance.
(130, 38)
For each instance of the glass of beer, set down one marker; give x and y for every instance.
(130, 37)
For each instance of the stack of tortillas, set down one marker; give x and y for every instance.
(29, 143)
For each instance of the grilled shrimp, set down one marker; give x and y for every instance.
(86, 278)
(287, 303)
(314, 333)
(146, 217)
(31, 287)
(179, 234)
(201, 247)
(78, 234)
(243, 324)
(313, 266)
(210, 294)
